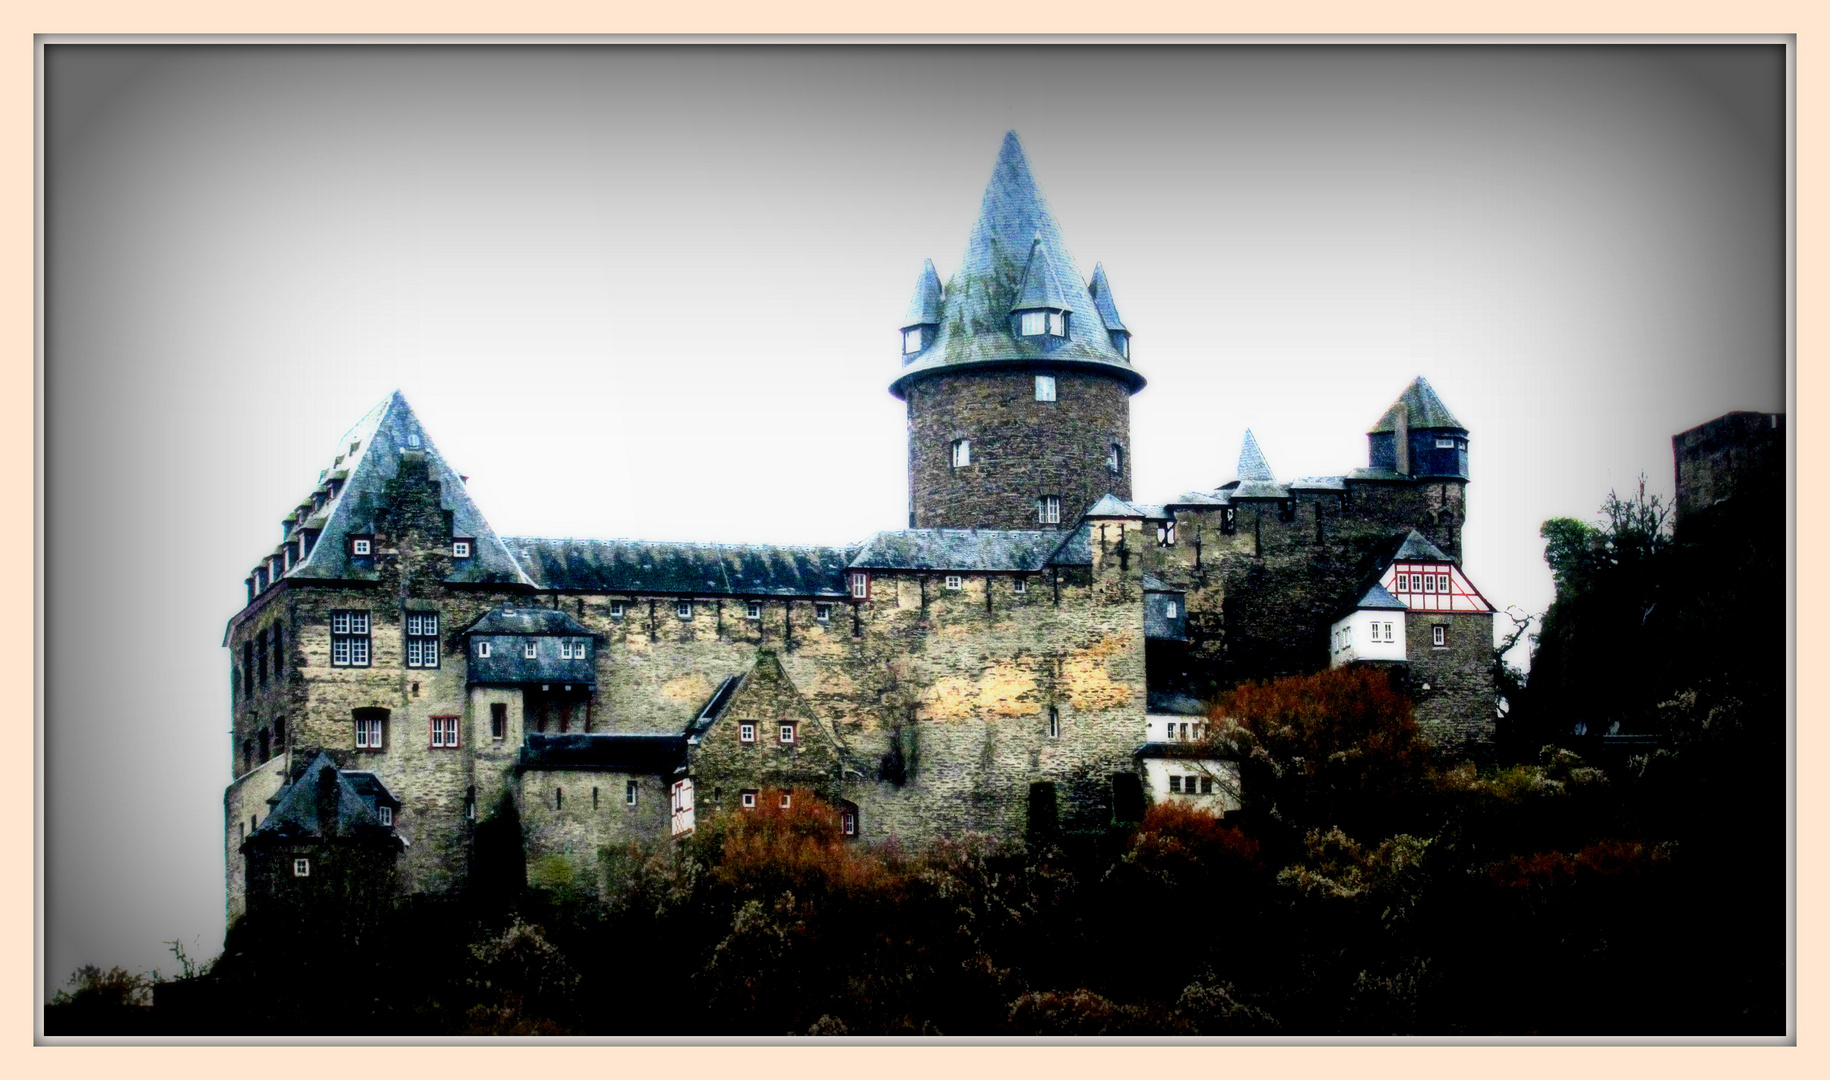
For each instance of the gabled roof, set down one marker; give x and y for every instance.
(655, 755)
(924, 306)
(714, 706)
(295, 812)
(369, 455)
(975, 326)
(1416, 549)
(957, 549)
(1111, 506)
(1252, 463)
(1152, 583)
(687, 569)
(1043, 285)
(1375, 598)
(544, 621)
(1101, 290)
(1076, 549)
(1422, 409)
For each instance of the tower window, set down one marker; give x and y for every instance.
(1229, 520)
(1170, 609)
(530, 651)
(445, 732)
(962, 453)
(386, 814)
(1048, 510)
(1115, 459)
(482, 650)
(911, 340)
(616, 609)
(1439, 635)
(371, 729)
(422, 639)
(1054, 722)
(349, 639)
(1032, 323)
(361, 545)
(1444, 444)
(1045, 388)
(629, 789)
(301, 868)
(753, 609)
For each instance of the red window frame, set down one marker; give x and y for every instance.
(443, 728)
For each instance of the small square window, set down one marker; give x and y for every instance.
(460, 549)
(629, 789)
(301, 868)
(684, 609)
(822, 612)
(749, 800)
(953, 581)
(911, 340)
(360, 546)
(386, 814)
(530, 651)
(786, 799)
(1045, 388)
(1170, 609)
(616, 609)
(787, 733)
(1439, 635)
(746, 732)
(753, 610)
(482, 650)
(860, 586)
(1175, 785)
(1019, 585)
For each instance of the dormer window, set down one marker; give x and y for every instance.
(1039, 323)
(913, 340)
(386, 814)
(460, 549)
(482, 650)
(962, 453)
(1444, 443)
(530, 651)
(361, 545)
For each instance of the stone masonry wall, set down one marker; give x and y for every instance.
(575, 822)
(1457, 711)
(1021, 448)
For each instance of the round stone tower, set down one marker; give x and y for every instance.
(1017, 374)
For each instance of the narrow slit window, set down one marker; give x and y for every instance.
(629, 790)
(1054, 722)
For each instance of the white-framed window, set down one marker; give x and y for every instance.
(361, 545)
(1429, 583)
(349, 639)
(482, 650)
(460, 549)
(1169, 609)
(1444, 443)
(422, 639)
(787, 734)
(911, 340)
(746, 732)
(1048, 510)
(371, 732)
(1166, 534)
(860, 586)
(684, 609)
(1439, 635)
(953, 581)
(1442, 583)
(962, 453)
(1054, 722)
(748, 799)
(1057, 323)
(786, 800)
(301, 868)
(616, 609)
(1019, 585)
(386, 814)
(822, 612)
(1388, 632)
(565, 648)
(629, 789)
(1032, 323)
(530, 650)
(1045, 388)
(752, 609)
(445, 732)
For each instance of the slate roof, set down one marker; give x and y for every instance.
(1044, 285)
(1377, 474)
(1111, 506)
(381, 438)
(1200, 498)
(1259, 489)
(687, 569)
(975, 326)
(1252, 463)
(924, 306)
(1377, 599)
(1173, 704)
(1152, 583)
(1422, 407)
(958, 549)
(1319, 483)
(1416, 549)
(714, 706)
(295, 811)
(657, 755)
(543, 621)
(1101, 289)
(1077, 549)
(1182, 751)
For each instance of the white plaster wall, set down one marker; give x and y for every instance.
(1359, 644)
(1225, 798)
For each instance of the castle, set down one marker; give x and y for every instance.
(1032, 652)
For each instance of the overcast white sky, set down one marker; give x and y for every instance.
(654, 292)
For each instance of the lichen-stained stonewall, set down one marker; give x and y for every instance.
(1021, 658)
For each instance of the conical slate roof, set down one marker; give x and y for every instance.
(975, 325)
(1252, 465)
(368, 457)
(1043, 286)
(1416, 549)
(924, 306)
(1102, 299)
(1422, 408)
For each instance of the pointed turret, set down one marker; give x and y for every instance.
(1108, 311)
(923, 317)
(1252, 463)
(1419, 437)
(981, 312)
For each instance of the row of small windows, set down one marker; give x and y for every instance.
(569, 649)
(630, 790)
(1382, 633)
(1191, 785)
(1444, 442)
(1422, 583)
(365, 545)
(746, 733)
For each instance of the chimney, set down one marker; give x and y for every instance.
(328, 797)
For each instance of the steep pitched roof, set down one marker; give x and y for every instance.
(1422, 409)
(975, 325)
(1416, 549)
(367, 458)
(1376, 598)
(1102, 299)
(544, 621)
(957, 549)
(1252, 463)
(1111, 506)
(1043, 283)
(924, 306)
(690, 569)
(296, 811)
